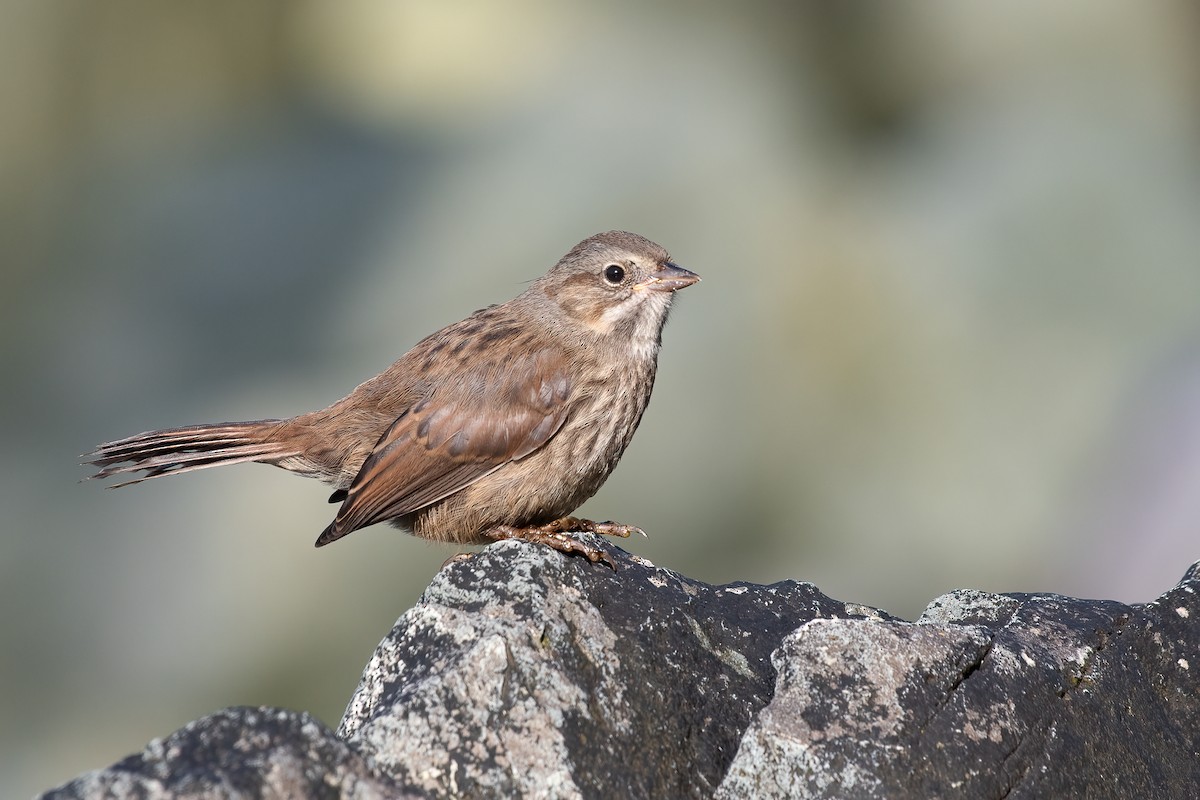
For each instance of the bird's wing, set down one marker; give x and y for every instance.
(455, 435)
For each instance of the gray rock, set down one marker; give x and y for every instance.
(524, 673)
(238, 752)
(1016, 696)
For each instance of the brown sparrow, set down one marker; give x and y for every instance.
(495, 427)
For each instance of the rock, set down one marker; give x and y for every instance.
(239, 752)
(1015, 696)
(524, 673)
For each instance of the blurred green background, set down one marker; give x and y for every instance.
(948, 334)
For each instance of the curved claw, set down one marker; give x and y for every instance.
(610, 528)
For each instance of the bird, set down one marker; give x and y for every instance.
(495, 427)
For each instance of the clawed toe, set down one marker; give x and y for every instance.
(569, 544)
(616, 529)
(456, 558)
(577, 525)
(557, 534)
(551, 536)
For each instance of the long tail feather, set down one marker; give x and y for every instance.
(178, 450)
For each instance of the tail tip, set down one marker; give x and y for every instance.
(328, 535)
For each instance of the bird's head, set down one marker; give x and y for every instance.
(617, 285)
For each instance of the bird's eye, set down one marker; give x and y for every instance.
(614, 274)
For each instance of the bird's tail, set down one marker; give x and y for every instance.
(178, 450)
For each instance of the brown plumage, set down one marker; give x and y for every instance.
(494, 427)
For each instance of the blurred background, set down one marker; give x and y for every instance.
(948, 334)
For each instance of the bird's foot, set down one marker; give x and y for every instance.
(577, 525)
(557, 534)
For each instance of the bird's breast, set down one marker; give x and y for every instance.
(607, 411)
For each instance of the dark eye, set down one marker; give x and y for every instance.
(614, 274)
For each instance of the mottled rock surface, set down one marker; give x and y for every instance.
(985, 696)
(239, 752)
(524, 673)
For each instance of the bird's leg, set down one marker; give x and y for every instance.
(557, 535)
(577, 525)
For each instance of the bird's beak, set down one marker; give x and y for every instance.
(669, 278)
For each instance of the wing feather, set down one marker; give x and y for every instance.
(456, 435)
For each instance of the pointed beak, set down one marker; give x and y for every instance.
(669, 278)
